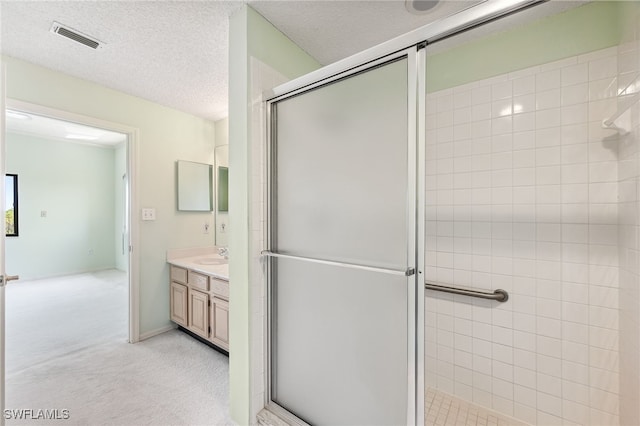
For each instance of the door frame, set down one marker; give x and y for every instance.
(131, 171)
(3, 73)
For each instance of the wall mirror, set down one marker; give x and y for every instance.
(195, 192)
(223, 189)
(222, 194)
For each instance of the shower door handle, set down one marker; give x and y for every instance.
(4, 279)
(406, 272)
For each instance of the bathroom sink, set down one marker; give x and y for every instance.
(212, 261)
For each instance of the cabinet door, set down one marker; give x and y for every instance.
(199, 313)
(220, 322)
(178, 303)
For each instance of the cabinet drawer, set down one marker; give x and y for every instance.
(178, 274)
(199, 281)
(220, 288)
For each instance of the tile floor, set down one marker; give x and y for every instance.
(442, 409)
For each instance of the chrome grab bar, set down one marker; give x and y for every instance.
(405, 272)
(499, 294)
(4, 279)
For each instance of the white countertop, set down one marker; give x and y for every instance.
(192, 259)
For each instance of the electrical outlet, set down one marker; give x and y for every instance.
(149, 214)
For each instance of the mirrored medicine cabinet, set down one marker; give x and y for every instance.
(195, 186)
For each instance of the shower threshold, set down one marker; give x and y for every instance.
(442, 409)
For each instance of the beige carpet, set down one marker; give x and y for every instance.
(67, 350)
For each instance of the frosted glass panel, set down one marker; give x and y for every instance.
(340, 346)
(341, 170)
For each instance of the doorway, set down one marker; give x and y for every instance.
(88, 216)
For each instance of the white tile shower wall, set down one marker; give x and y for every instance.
(629, 233)
(522, 194)
(263, 77)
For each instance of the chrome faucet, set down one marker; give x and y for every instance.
(224, 252)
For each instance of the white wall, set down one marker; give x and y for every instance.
(165, 136)
(73, 184)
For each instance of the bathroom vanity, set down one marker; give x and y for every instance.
(199, 294)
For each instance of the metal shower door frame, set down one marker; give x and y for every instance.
(412, 44)
(415, 56)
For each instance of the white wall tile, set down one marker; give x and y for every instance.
(574, 114)
(501, 90)
(575, 213)
(574, 94)
(524, 85)
(548, 118)
(575, 332)
(575, 293)
(527, 195)
(549, 366)
(605, 360)
(548, 80)
(549, 403)
(602, 68)
(575, 173)
(575, 74)
(481, 95)
(575, 193)
(603, 89)
(575, 134)
(574, 154)
(575, 412)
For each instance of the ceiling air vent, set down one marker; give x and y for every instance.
(75, 36)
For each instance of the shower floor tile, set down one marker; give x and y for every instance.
(442, 409)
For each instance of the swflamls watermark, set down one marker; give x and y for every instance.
(36, 414)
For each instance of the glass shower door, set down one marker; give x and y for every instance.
(343, 248)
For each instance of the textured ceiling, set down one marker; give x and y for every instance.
(333, 30)
(175, 53)
(172, 53)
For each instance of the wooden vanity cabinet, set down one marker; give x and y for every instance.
(179, 302)
(200, 304)
(199, 313)
(220, 322)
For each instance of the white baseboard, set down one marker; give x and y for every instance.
(150, 334)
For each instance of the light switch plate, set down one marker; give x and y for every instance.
(149, 214)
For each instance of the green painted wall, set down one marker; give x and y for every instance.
(73, 183)
(580, 30)
(266, 43)
(250, 36)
